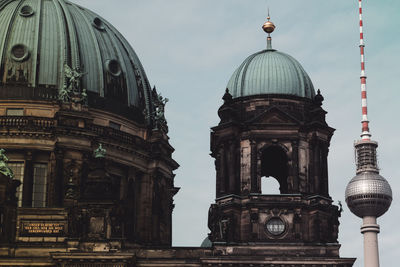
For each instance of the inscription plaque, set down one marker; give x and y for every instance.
(42, 228)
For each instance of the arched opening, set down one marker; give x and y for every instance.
(269, 186)
(274, 165)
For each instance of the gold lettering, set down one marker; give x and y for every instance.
(42, 228)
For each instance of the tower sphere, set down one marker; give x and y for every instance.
(268, 26)
(368, 194)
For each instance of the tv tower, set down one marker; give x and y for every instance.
(368, 194)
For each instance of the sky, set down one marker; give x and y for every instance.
(190, 48)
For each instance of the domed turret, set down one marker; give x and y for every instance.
(270, 72)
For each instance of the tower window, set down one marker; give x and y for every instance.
(18, 170)
(269, 186)
(39, 191)
(274, 163)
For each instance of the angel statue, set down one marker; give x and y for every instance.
(71, 89)
(4, 169)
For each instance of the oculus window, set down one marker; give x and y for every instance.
(275, 226)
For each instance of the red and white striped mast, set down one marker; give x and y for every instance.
(368, 194)
(365, 135)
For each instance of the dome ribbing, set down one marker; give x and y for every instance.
(270, 72)
(41, 40)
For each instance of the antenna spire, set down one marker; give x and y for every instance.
(365, 135)
(368, 194)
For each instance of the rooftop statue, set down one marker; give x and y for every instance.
(158, 114)
(4, 169)
(72, 88)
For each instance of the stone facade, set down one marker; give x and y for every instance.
(92, 181)
(89, 203)
(114, 207)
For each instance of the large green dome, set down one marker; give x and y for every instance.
(270, 72)
(41, 40)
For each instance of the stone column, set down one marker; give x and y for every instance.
(222, 172)
(370, 230)
(59, 179)
(145, 222)
(28, 180)
(253, 161)
(324, 172)
(317, 168)
(231, 168)
(294, 173)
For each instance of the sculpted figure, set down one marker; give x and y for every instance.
(4, 169)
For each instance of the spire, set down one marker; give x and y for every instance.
(368, 194)
(365, 135)
(269, 27)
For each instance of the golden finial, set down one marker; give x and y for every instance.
(268, 26)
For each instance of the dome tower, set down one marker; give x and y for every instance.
(84, 133)
(368, 194)
(272, 127)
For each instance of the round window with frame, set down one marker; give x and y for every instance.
(19, 52)
(275, 226)
(26, 11)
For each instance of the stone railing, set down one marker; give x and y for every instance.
(114, 134)
(38, 123)
(26, 121)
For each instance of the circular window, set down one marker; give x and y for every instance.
(26, 11)
(19, 52)
(275, 226)
(113, 67)
(98, 24)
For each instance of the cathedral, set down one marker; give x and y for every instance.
(87, 170)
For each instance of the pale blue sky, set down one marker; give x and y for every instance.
(189, 49)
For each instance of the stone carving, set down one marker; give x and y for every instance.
(4, 169)
(221, 225)
(75, 222)
(72, 171)
(160, 123)
(340, 208)
(71, 91)
(213, 218)
(100, 152)
(227, 97)
(224, 225)
(70, 192)
(117, 217)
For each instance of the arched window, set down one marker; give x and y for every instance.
(269, 186)
(274, 163)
